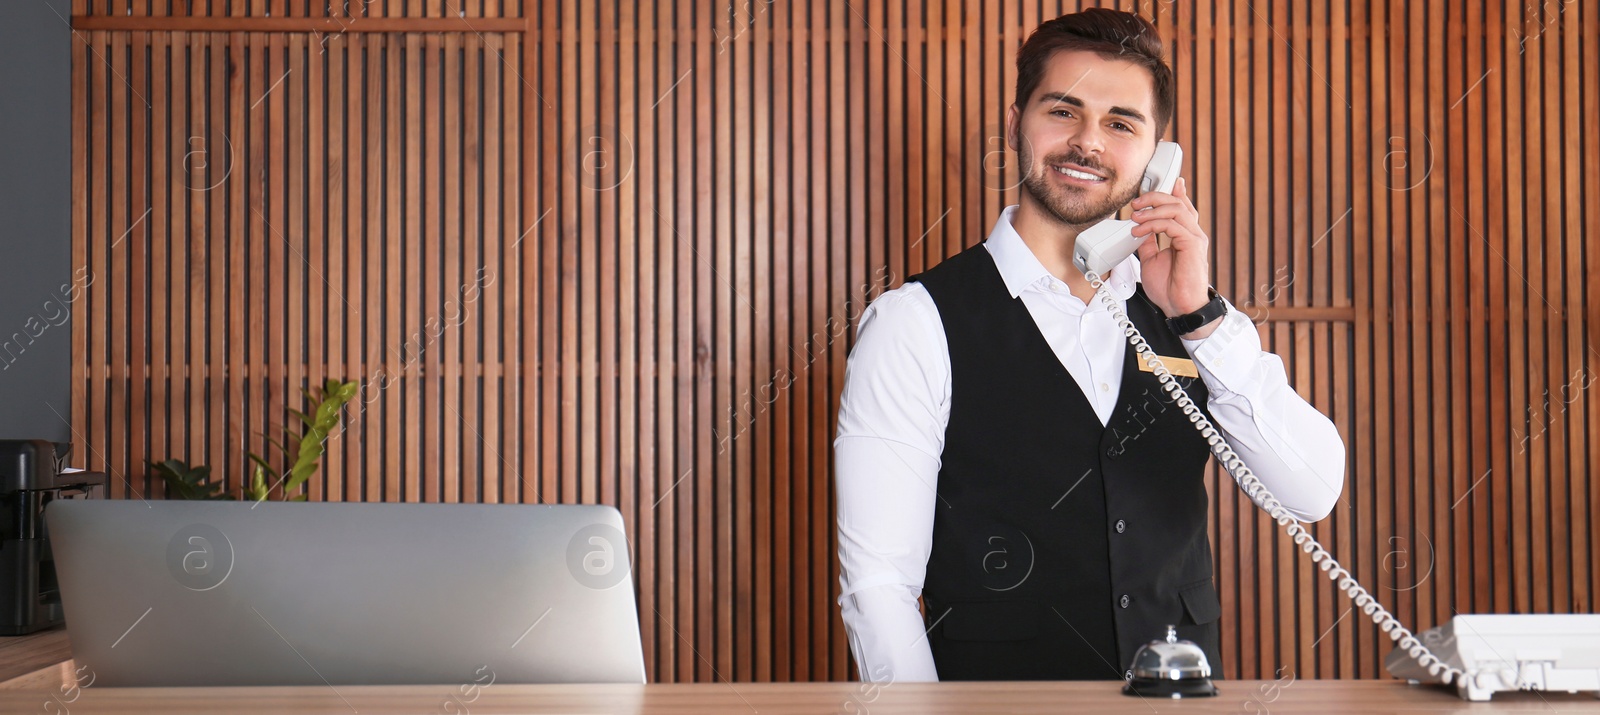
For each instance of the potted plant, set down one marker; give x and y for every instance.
(327, 404)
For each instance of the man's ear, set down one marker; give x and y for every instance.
(1013, 119)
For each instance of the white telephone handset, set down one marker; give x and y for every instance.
(1102, 246)
(1108, 243)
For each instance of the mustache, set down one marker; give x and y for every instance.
(1073, 157)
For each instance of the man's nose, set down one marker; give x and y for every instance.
(1087, 139)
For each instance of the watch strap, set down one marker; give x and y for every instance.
(1185, 324)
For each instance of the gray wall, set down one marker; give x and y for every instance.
(35, 220)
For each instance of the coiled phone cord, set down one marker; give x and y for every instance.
(1263, 498)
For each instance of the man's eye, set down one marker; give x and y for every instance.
(1119, 126)
(1062, 113)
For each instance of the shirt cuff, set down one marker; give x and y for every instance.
(1227, 357)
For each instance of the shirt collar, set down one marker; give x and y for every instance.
(1021, 269)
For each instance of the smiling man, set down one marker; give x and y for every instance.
(1001, 454)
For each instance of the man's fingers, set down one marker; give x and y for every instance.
(1178, 197)
(1182, 192)
(1155, 198)
(1161, 225)
(1178, 222)
(1171, 210)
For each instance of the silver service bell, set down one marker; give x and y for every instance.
(1170, 668)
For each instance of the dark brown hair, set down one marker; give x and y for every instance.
(1112, 34)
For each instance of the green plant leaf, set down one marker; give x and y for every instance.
(259, 486)
(258, 483)
(345, 392)
(311, 443)
(279, 445)
(261, 462)
(185, 482)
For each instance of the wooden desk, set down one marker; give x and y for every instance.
(34, 669)
(36, 660)
(1238, 696)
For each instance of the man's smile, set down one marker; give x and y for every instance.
(1077, 175)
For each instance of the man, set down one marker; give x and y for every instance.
(1000, 452)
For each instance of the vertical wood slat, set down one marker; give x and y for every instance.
(681, 465)
(1454, 573)
(304, 261)
(120, 107)
(82, 276)
(433, 173)
(220, 86)
(407, 282)
(233, 281)
(475, 365)
(621, 353)
(641, 365)
(284, 276)
(1590, 227)
(1586, 424)
(152, 129)
(343, 169)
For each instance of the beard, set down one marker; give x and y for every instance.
(1073, 205)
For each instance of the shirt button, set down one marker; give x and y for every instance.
(1104, 387)
(1124, 601)
(1121, 527)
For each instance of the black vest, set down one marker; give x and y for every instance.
(1060, 545)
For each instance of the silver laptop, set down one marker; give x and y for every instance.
(170, 593)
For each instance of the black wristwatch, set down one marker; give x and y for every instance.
(1185, 324)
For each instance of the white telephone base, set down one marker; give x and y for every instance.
(1550, 652)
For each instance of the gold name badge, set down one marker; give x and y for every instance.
(1181, 367)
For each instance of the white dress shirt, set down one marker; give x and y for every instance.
(896, 404)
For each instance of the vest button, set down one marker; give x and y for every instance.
(1124, 601)
(1121, 526)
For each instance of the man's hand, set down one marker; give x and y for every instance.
(1175, 277)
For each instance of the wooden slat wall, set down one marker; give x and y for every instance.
(614, 252)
